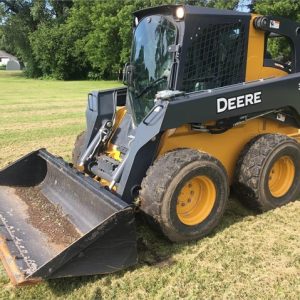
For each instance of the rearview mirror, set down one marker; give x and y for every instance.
(128, 74)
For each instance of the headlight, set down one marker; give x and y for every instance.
(136, 21)
(180, 12)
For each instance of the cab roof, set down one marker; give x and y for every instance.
(189, 10)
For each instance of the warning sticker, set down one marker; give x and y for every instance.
(274, 24)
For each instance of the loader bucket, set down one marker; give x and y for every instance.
(56, 222)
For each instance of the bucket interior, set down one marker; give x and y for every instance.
(46, 206)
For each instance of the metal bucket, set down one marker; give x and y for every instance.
(57, 222)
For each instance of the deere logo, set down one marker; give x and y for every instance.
(226, 104)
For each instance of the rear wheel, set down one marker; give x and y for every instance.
(78, 148)
(184, 194)
(268, 172)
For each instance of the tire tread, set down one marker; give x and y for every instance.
(158, 178)
(249, 166)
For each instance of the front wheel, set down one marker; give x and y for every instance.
(184, 194)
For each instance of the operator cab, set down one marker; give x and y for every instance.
(193, 49)
(184, 48)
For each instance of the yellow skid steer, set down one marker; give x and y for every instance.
(208, 106)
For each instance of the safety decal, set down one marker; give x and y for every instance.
(274, 24)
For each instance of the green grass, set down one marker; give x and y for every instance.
(41, 113)
(247, 257)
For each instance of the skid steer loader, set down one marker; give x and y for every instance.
(208, 106)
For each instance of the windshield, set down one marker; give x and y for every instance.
(151, 62)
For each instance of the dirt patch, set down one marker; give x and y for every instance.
(150, 257)
(47, 217)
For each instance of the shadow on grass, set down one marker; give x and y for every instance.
(153, 250)
(12, 74)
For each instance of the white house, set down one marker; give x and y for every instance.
(8, 60)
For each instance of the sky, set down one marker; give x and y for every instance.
(243, 5)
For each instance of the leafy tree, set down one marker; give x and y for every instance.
(20, 18)
(284, 8)
(75, 39)
(279, 47)
(54, 50)
(107, 45)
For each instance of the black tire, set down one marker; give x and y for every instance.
(163, 183)
(78, 148)
(253, 172)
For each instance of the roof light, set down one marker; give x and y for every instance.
(180, 12)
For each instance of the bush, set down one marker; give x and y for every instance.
(54, 50)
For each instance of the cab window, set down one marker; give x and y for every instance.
(279, 52)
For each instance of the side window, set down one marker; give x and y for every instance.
(279, 52)
(215, 57)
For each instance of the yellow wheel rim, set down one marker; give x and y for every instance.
(281, 176)
(196, 200)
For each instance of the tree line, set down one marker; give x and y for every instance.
(76, 39)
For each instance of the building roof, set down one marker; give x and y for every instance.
(4, 54)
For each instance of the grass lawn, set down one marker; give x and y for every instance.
(248, 257)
